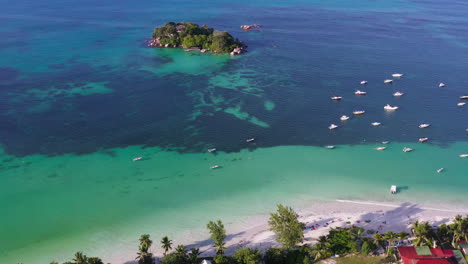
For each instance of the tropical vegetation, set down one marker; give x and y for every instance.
(189, 35)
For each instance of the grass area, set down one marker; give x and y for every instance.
(354, 260)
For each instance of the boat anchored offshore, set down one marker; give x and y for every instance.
(464, 97)
(407, 149)
(388, 81)
(211, 150)
(440, 170)
(380, 148)
(215, 167)
(441, 85)
(344, 117)
(359, 92)
(137, 158)
(363, 82)
(464, 156)
(330, 147)
(359, 112)
(398, 94)
(376, 123)
(423, 139)
(424, 125)
(461, 104)
(390, 108)
(332, 126)
(250, 140)
(385, 142)
(336, 98)
(397, 75)
(393, 189)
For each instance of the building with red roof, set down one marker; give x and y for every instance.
(426, 255)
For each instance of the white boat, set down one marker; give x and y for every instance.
(461, 104)
(344, 118)
(336, 98)
(441, 85)
(215, 167)
(393, 189)
(397, 75)
(440, 170)
(464, 156)
(363, 82)
(423, 139)
(359, 92)
(398, 94)
(407, 149)
(332, 126)
(380, 148)
(385, 142)
(390, 108)
(137, 158)
(211, 150)
(330, 147)
(376, 123)
(250, 140)
(388, 81)
(359, 112)
(464, 97)
(424, 125)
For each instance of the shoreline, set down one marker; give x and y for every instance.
(254, 232)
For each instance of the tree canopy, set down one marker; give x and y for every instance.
(289, 231)
(218, 234)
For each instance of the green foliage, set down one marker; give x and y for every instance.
(365, 248)
(218, 234)
(423, 233)
(341, 241)
(247, 256)
(193, 256)
(221, 259)
(81, 258)
(187, 35)
(143, 255)
(274, 256)
(459, 229)
(166, 244)
(289, 231)
(170, 259)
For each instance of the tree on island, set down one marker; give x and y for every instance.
(143, 255)
(285, 224)
(218, 234)
(188, 35)
(166, 244)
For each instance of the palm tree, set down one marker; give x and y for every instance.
(380, 241)
(423, 234)
(80, 258)
(193, 255)
(166, 244)
(145, 242)
(181, 254)
(390, 237)
(320, 251)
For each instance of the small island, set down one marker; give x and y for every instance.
(191, 37)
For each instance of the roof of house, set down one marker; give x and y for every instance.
(411, 255)
(433, 261)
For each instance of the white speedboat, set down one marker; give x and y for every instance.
(336, 98)
(376, 123)
(388, 81)
(407, 149)
(385, 142)
(137, 158)
(359, 112)
(440, 170)
(464, 156)
(424, 125)
(441, 85)
(330, 147)
(211, 150)
(363, 82)
(393, 189)
(359, 92)
(390, 108)
(380, 148)
(461, 104)
(464, 97)
(250, 140)
(397, 75)
(423, 139)
(332, 126)
(398, 94)
(344, 118)
(215, 167)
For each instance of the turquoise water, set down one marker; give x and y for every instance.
(81, 96)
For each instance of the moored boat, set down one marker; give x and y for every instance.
(215, 167)
(440, 170)
(329, 147)
(423, 139)
(397, 75)
(393, 189)
(398, 94)
(359, 112)
(461, 104)
(211, 150)
(385, 142)
(359, 92)
(424, 125)
(464, 156)
(250, 140)
(344, 117)
(332, 126)
(336, 98)
(137, 158)
(363, 82)
(376, 123)
(464, 97)
(441, 85)
(390, 108)
(380, 148)
(405, 149)
(388, 81)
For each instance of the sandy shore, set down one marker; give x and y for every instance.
(253, 232)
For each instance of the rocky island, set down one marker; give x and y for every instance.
(191, 36)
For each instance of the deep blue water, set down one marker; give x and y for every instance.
(306, 52)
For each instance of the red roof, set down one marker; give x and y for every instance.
(433, 261)
(439, 256)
